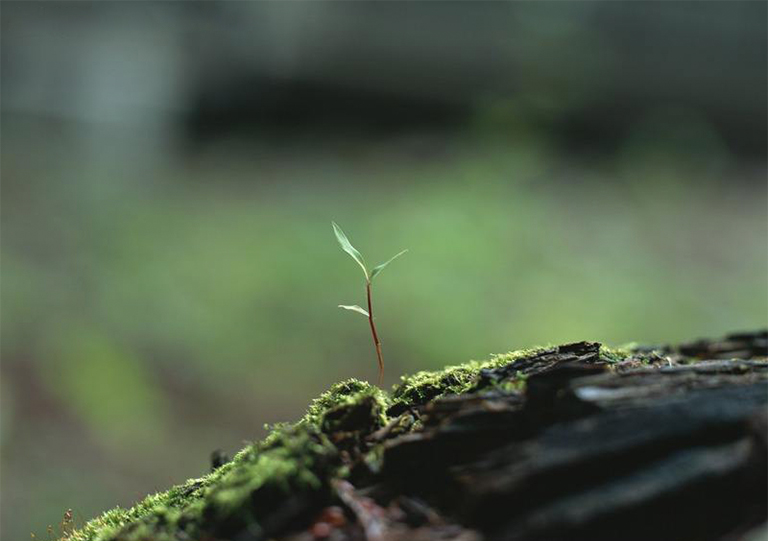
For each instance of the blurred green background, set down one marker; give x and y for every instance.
(558, 171)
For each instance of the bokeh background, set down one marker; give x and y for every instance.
(559, 171)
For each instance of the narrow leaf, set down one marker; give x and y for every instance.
(347, 247)
(354, 308)
(376, 270)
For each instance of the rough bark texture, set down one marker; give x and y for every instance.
(662, 447)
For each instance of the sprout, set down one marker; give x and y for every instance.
(369, 276)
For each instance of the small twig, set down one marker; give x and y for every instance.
(370, 516)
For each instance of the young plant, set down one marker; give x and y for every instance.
(369, 276)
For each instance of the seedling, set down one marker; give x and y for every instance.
(369, 276)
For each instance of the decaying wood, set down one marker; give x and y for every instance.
(668, 446)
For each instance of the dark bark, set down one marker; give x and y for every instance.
(665, 446)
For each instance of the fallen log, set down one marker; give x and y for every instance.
(575, 442)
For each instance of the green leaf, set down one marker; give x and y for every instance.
(376, 270)
(354, 308)
(347, 247)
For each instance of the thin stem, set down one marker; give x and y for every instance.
(373, 332)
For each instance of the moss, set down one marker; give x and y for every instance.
(514, 385)
(296, 460)
(291, 459)
(615, 354)
(424, 386)
(630, 354)
(343, 394)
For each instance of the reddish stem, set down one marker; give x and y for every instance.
(373, 332)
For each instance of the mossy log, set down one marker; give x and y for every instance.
(576, 442)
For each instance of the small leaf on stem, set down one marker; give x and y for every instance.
(354, 308)
(347, 247)
(376, 270)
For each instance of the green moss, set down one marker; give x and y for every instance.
(296, 459)
(343, 394)
(424, 386)
(516, 384)
(291, 459)
(630, 352)
(615, 354)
